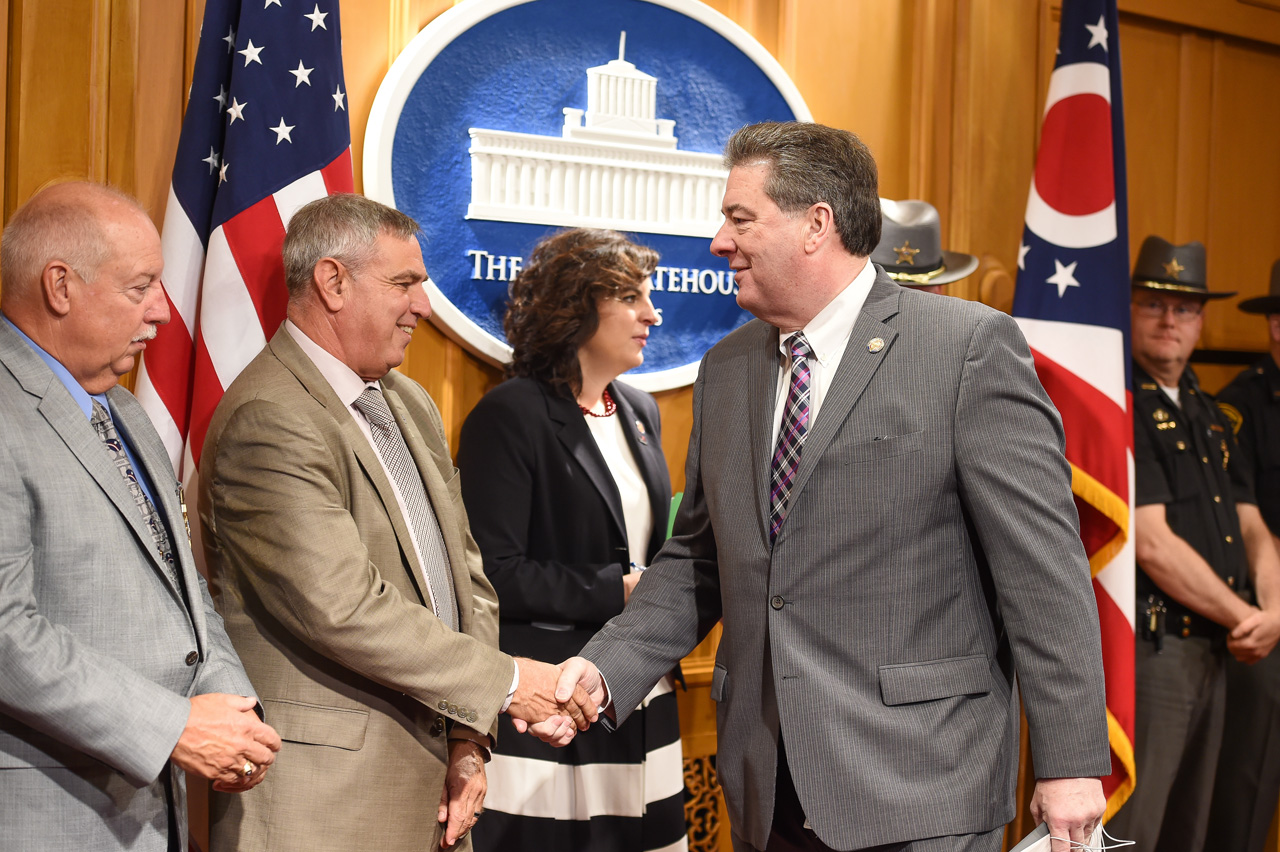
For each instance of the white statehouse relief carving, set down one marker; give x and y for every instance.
(615, 165)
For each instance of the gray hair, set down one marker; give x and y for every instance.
(810, 163)
(60, 222)
(343, 227)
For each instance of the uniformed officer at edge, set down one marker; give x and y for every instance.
(1248, 782)
(1200, 545)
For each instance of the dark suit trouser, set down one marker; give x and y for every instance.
(1179, 698)
(789, 834)
(1248, 782)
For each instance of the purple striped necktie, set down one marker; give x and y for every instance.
(795, 425)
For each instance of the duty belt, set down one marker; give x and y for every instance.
(1158, 618)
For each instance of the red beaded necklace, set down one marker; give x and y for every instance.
(609, 406)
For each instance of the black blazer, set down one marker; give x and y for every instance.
(546, 513)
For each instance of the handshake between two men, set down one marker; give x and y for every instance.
(554, 702)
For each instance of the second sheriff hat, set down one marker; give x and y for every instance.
(910, 248)
(1173, 269)
(1268, 304)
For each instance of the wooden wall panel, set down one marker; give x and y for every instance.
(1243, 209)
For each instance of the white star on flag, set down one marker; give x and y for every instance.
(1022, 255)
(1098, 32)
(212, 160)
(230, 39)
(317, 18)
(337, 96)
(250, 54)
(282, 132)
(221, 98)
(236, 110)
(1063, 276)
(271, 3)
(303, 74)
(222, 172)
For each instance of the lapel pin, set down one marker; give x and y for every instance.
(644, 439)
(875, 344)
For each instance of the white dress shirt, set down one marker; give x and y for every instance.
(637, 513)
(828, 334)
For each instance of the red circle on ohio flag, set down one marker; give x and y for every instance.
(1074, 169)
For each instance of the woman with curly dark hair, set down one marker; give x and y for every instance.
(567, 493)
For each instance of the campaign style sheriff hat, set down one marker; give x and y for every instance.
(1269, 304)
(910, 248)
(1173, 269)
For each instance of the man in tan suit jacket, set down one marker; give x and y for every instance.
(350, 584)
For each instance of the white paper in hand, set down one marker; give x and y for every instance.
(1039, 841)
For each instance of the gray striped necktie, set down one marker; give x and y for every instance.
(101, 422)
(426, 528)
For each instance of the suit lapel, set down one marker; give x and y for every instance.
(428, 463)
(762, 386)
(857, 366)
(297, 362)
(69, 422)
(151, 456)
(576, 437)
(652, 470)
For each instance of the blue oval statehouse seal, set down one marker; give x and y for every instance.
(506, 120)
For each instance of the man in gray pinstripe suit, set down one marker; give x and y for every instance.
(117, 674)
(879, 511)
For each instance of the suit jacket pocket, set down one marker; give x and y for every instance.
(883, 448)
(908, 683)
(718, 677)
(315, 724)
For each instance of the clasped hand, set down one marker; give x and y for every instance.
(555, 702)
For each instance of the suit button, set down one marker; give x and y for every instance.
(1231, 581)
(471, 717)
(444, 705)
(437, 727)
(462, 712)
(1186, 631)
(453, 709)
(1186, 619)
(776, 602)
(192, 657)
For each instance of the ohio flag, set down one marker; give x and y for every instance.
(265, 132)
(1072, 302)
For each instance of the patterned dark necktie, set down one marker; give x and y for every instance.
(101, 422)
(795, 425)
(426, 527)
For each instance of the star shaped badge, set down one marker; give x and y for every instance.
(906, 254)
(1174, 269)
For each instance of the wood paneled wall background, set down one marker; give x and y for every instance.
(947, 93)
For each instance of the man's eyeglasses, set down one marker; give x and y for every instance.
(1155, 309)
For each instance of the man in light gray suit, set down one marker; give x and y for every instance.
(117, 675)
(878, 508)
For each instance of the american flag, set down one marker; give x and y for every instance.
(1072, 302)
(265, 132)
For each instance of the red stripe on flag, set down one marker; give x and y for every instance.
(338, 176)
(1117, 661)
(1098, 430)
(255, 237)
(1096, 529)
(207, 390)
(170, 360)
